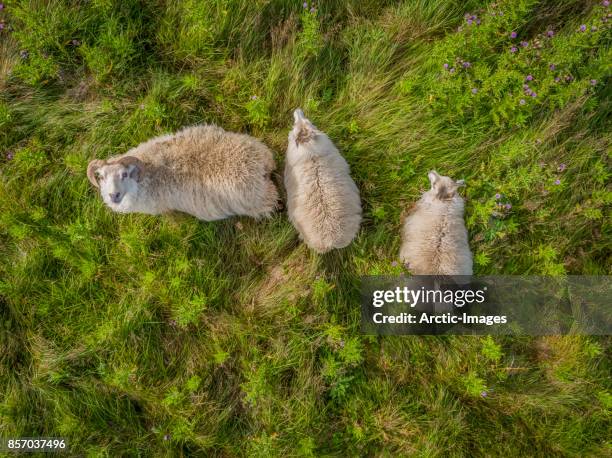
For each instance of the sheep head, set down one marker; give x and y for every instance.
(117, 179)
(444, 187)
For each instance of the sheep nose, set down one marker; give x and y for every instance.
(115, 197)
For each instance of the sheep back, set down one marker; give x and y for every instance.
(435, 240)
(209, 172)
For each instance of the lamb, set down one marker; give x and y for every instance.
(201, 170)
(322, 200)
(435, 240)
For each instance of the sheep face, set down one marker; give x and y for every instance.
(117, 181)
(305, 133)
(443, 188)
(303, 130)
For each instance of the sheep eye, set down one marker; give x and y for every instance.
(124, 175)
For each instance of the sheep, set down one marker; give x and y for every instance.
(323, 201)
(201, 170)
(435, 240)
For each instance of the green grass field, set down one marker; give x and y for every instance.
(134, 335)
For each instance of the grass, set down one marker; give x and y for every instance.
(134, 335)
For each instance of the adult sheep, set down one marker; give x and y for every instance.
(322, 199)
(201, 170)
(434, 236)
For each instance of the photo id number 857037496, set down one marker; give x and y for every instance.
(33, 444)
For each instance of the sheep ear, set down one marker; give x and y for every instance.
(298, 115)
(433, 177)
(135, 172)
(92, 168)
(134, 165)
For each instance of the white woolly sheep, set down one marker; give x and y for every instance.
(201, 170)
(435, 240)
(322, 200)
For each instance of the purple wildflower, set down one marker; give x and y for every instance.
(533, 94)
(508, 206)
(477, 21)
(582, 28)
(305, 5)
(445, 66)
(452, 70)
(529, 78)
(474, 90)
(75, 42)
(513, 34)
(557, 79)
(569, 78)
(1, 25)
(312, 10)
(466, 65)
(524, 44)
(497, 196)
(24, 54)
(522, 102)
(9, 155)
(394, 264)
(557, 181)
(513, 49)
(483, 394)
(469, 21)
(552, 66)
(593, 82)
(561, 167)
(605, 3)
(1, 6)
(550, 33)
(253, 97)
(526, 86)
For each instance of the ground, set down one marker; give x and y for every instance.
(134, 335)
